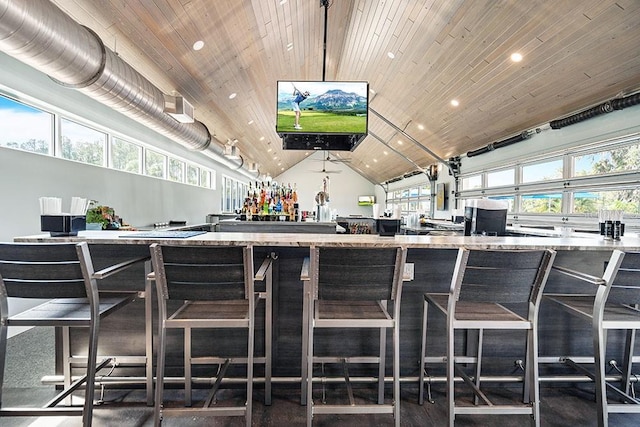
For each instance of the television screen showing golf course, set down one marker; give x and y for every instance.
(319, 107)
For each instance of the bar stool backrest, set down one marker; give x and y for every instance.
(45, 270)
(357, 273)
(203, 272)
(625, 288)
(501, 276)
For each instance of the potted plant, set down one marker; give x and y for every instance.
(103, 215)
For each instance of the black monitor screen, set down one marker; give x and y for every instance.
(321, 107)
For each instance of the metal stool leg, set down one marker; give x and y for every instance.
(599, 347)
(187, 367)
(423, 350)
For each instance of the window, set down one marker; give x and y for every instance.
(193, 173)
(24, 127)
(126, 156)
(541, 203)
(155, 164)
(176, 170)
(626, 200)
(81, 143)
(233, 194)
(508, 199)
(472, 182)
(544, 171)
(620, 159)
(503, 177)
(205, 178)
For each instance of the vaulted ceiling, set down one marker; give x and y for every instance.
(416, 55)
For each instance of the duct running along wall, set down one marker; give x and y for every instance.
(39, 34)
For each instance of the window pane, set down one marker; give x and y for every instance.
(414, 192)
(508, 199)
(472, 182)
(192, 175)
(425, 190)
(620, 159)
(504, 177)
(542, 203)
(542, 171)
(81, 143)
(126, 156)
(227, 195)
(154, 164)
(176, 170)
(592, 201)
(205, 179)
(24, 127)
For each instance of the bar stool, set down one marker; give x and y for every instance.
(350, 288)
(613, 306)
(64, 274)
(483, 281)
(216, 286)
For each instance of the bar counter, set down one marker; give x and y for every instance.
(568, 243)
(433, 258)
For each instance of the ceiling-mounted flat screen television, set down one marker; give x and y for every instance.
(321, 107)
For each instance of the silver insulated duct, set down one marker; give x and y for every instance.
(39, 34)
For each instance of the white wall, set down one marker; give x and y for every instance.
(139, 200)
(345, 186)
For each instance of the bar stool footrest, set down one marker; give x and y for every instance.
(353, 409)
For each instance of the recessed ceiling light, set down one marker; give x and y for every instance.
(399, 142)
(385, 152)
(421, 127)
(275, 157)
(391, 55)
(516, 57)
(250, 122)
(233, 95)
(366, 165)
(269, 150)
(198, 45)
(262, 138)
(283, 2)
(279, 163)
(281, 169)
(455, 102)
(375, 160)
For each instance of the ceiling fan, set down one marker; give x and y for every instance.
(335, 159)
(324, 168)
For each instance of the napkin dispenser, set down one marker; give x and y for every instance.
(63, 225)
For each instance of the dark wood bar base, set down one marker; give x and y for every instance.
(433, 259)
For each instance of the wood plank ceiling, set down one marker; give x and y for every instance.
(577, 53)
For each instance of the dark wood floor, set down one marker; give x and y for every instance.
(571, 406)
(560, 406)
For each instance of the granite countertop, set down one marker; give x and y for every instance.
(594, 242)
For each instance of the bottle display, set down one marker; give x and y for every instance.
(271, 201)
